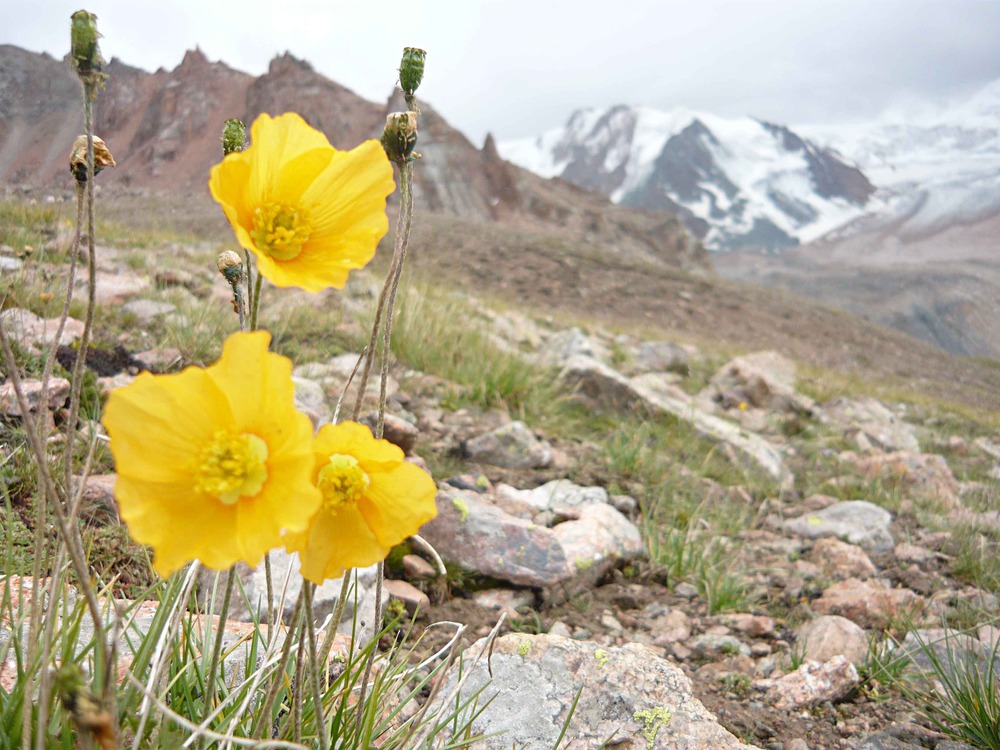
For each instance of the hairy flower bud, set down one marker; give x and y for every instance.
(84, 50)
(231, 266)
(234, 136)
(411, 69)
(78, 157)
(400, 136)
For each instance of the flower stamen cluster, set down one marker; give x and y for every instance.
(232, 466)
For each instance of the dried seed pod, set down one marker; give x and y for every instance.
(78, 157)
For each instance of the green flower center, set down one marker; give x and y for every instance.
(232, 466)
(342, 481)
(280, 230)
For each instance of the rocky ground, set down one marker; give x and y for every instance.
(712, 551)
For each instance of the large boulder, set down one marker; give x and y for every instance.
(606, 386)
(473, 532)
(855, 521)
(643, 701)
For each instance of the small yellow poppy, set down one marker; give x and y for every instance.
(308, 212)
(213, 463)
(372, 501)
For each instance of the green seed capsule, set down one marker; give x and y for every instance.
(411, 69)
(84, 49)
(400, 136)
(234, 136)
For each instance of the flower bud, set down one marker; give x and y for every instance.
(84, 50)
(234, 136)
(231, 266)
(78, 157)
(400, 136)
(411, 69)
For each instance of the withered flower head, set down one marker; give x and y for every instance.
(78, 157)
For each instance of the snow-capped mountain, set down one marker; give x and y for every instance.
(935, 166)
(736, 182)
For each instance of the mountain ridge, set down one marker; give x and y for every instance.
(737, 182)
(164, 127)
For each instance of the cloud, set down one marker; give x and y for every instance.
(517, 67)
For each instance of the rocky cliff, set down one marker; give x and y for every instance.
(164, 129)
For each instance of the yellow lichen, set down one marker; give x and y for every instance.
(462, 506)
(652, 719)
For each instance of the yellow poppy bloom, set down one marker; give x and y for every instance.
(213, 463)
(308, 212)
(372, 501)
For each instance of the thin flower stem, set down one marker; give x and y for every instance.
(406, 196)
(71, 539)
(297, 680)
(45, 683)
(338, 615)
(314, 672)
(279, 675)
(50, 358)
(213, 667)
(255, 301)
(392, 284)
(369, 353)
(272, 615)
(76, 381)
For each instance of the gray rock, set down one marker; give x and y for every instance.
(875, 420)
(831, 635)
(644, 701)
(484, 539)
(334, 375)
(58, 391)
(564, 345)
(398, 431)
(559, 493)
(662, 356)
(145, 310)
(471, 531)
(599, 539)
(709, 645)
(35, 333)
(855, 521)
(511, 446)
(604, 385)
(839, 560)
(812, 684)
(867, 603)
(764, 379)
(311, 400)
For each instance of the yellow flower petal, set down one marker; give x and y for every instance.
(308, 212)
(214, 464)
(337, 541)
(399, 501)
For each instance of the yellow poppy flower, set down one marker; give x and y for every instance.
(308, 212)
(372, 501)
(213, 463)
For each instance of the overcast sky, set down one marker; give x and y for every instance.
(518, 67)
